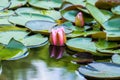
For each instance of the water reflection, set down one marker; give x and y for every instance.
(56, 51)
(38, 65)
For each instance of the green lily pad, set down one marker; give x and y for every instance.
(112, 24)
(116, 58)
(101, 70)
(83, 45)
(116, 10)
(70, 15)
(104, 44)
(25, 17)
(76, 2)
(4, 4)
(17, 3)
(6, 13)
(52, 13)
(113, 35)
(42, 4)
(7, 27)
(4, 21)
(22, 36)
(99, 16)
(12, 49)
(109, 51)
(40, 25)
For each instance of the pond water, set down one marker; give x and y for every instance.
(40, 64)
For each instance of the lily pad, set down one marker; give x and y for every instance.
(12, 49)
(112, 24)
(101, 70)
(42, 4)
(8, 27)
(70, 15)
(4, 21)
(116, 58)
(17, 3)
(25, 17)
(113, 35)
(40, 25)
(116, 10)
(99, 16)
(104, 44)
(22, 36)
(4, 4)
(83, 45)
(51, 13)
(76, 2)
(6, 13)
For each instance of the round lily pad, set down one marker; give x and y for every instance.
(25, 17)
(101, 70)
(6, 13)
(112, 24)
(22, 36)
(116, 58)
(40, 25)
(17, 3)
(45, 4)
(51, 13)
(116, 10)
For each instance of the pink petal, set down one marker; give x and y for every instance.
(54, 37)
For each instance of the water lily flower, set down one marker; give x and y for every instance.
(56, 51)
(79, 20)
(58, 37)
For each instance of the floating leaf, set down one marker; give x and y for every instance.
(112, 24)
(70, 15)
(116, 58)
(4, 21)
(6, 13)
(116, 10)
(104, 44)
(42, 4)
(17, 3)
(52, 13)
(7, 27)
(4, 4)
(40, 25)
(29, 41)
(101, 70)
(109, 51)
(13, 49)
(98, 15)
(25, 17)
(82, 45)
(113, 35)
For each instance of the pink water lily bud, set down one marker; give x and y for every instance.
(58, 37)
(79, 20)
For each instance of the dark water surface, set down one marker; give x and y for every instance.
(40, 64)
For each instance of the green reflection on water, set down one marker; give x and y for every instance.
(39, 66)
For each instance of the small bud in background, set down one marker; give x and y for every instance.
(57, 37)
(79, 20)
